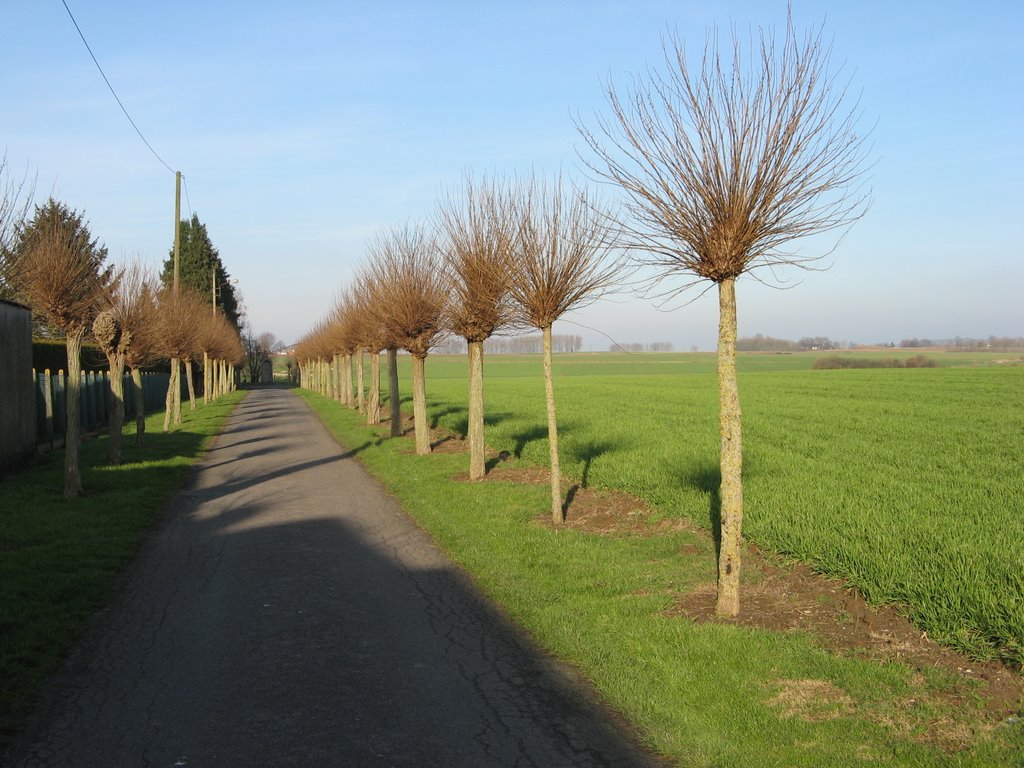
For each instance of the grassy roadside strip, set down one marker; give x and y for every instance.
(706, 695)
(59, 557)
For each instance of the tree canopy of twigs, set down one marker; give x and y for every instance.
(565, 257)
(412, 288)
(476, 233)
(564, 261)
(723, 164)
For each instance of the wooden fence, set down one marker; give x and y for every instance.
(17, 417)
(51, 401)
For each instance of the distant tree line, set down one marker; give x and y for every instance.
(996, 343)
(514, 345)
(761, 343)
(657, 346)
(533, 345)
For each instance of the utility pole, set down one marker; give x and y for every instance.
(213, 289)
(174, 382)
(177, 226)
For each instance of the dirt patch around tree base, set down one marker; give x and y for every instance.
(790, 597)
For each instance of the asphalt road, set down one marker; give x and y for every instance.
(288, 612)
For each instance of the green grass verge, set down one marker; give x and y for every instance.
(59, 557)
(707, 695)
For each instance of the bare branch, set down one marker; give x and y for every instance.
(565, 257)
(410, 288)
(477, 235)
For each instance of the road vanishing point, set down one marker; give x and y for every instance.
(287, 612)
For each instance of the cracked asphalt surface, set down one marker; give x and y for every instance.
(288, 612)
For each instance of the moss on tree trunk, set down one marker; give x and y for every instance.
(731, 493)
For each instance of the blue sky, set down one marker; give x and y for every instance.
(302, 128)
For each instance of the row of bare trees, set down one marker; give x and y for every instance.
(51, 263)
(500, 256)
(721, 163)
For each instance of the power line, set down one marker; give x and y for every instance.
(116, 97)
(187, 201)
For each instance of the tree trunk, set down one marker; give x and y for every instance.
(116, 408)
(394, 400)
(350, 393)
(731, 493)
(73, 435)
(191, 385)
(360, 398)
(475, 428)
(169, 400)
(419, 405)
(557, 516)
(373, 406)
(206, 378)
(177, 393)
(336, 377)
(339, 387)
(140, 406)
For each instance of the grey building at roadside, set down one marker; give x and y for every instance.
(17, 391)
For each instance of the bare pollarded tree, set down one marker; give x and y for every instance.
(342, 339)
(724, 162)
(413, 295)
(178, 339)
(374, 282)
(124, 332)
(477, 229)
(58, 267)
(372, 333)
(140, 320)
(564, 261)
(217, 338)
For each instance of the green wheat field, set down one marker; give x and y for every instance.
(907, 483)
